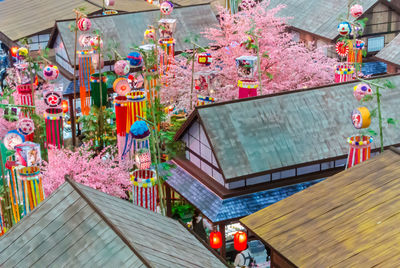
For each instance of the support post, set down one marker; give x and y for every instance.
(223, 248)
(72, 118)
(169, 203)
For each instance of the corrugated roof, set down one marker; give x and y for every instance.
(78, 226)
(391, 52)
(320, 17)
(348, 220)
(272, 132)
(128, 29)
(21, 18)
(128, 5)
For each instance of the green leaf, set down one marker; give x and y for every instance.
(373, 113)
(372, 132)
(389, 84)
(391, 121)
(367, 98)
(270, 75)
(265, 54)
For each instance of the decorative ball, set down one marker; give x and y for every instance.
(361, 90)
(25, 126)
(357, 29)
(109, 2)
(361, 118)
(359, 44)
(51, 72)
(96, 61)
(22, 52)
(135, 81)
(139, 129)
(166, 7)
(96, 43)
(121, 67)
(12, 139)
(356, 10)
(84, 24)
(150, 34)
(121, 86)
(344, 28)
(135, 59)
(204, 58)
(52, 99)
(342, 49)
(84, 40)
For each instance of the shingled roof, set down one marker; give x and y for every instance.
(78, 226)
(391, 52)
(348, 220)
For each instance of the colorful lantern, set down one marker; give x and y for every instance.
(52, 99)
(22, 52)
(359, 44)
(25, 126)
(95, 89)
(85, 71)
(96, 43)
(204, 58)
(12, 139)
(64, 106)
(135, 59)
(143, 159)
(344, 28)
(145, 190)
(110, 12)
(240, 241)
(14, 51)
(357, 29)
(150, 33)
(361, 90)
(359, 151)
(109, 2)
(84, 24)
(51, 72)
(97, 61)
(166, 7)
(28, 154)
(215, 240)
(246, 66)
(121, 67)
(166, 27)
(167, 54)
(84, 40)
(356, 10)
(54, 127)
(342, 49)
(121, 86)
(361, 118)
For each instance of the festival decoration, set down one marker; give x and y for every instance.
(361, 90)
(344, 72)
(28, 154)
(25, 126)
(110, 12)
(25, 96)
(52, 99)
(97, 61)
(121, 86)
(32, 187)
(247, 88)
(240, 241)
(137, 139)
(355, 52)
(12, 139)
(95, 89)
(166, 28)
(361, 118)
(167, 55)
(359, 150)
(204, 58)
(150, 33)
(96, 43)
(64, 106)
(22, 52)
(136, 107)
(166, 7)
(135, 59)
(135, 81)
(51, 72)
(84, 24)
(84, 40)
(143, 159)
(204, 100)
(85, 71)
(2, 222)
(342, 49)
(357, 29)
(54, 127)
(356, 10)
(121, 67)
(246, 66)
(215, 239)
(121, 113)
(145, 190)
(14, 51)
(109, 2)
(344, 28)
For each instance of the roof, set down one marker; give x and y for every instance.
(374, 68)
(348, 220)
(391, 52)
(264, 134)
(128, 5)
(78, 226)
(22, 18)
(217, 209)
(127, 29)
(319, 17)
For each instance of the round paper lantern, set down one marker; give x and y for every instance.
(150, 34)
(121, 86)
(25, 126)
(344, 28)
(166, 7)
(12, 139)
(96, 43)
(240, 241)
(84, 24)
(52, 99)
(361, 90)
(64, 106)
(51, 72)
(84, 40)
(109, 2)
(14, 51)
(215, 240)
(356, 10)
(121, 67)
(135, 59)
(204, 58)
(342, 49)
(97, 63)
(22, 52)
(361, 118)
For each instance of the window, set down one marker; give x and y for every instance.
(376, 43)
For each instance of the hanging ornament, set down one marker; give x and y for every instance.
(121, 86)
(97, 63)
(357, 29)
(361, 90)
(51, 72)
(166, 7)
(12, 139)
(240, 241)
(342, 49)
(96, 43)
(52, 99)
(84, 40)
(361, 117)
(64, 106)
(356, 10)
(359, 44)
(150, 33)
(14, 51)
(121, 67)
(215, 239)
(135, 59)
(25, 126)
(84, 24)
(204, 58)
(22, 53)
(109, 2)
(135, 81)
(344, 28)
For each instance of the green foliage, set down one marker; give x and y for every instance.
(172, 148)
(391, 121)
(389, 84)
(184, 212)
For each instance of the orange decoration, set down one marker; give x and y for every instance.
(240, 241)
(64, 106)
(14, 51)
(215, 240)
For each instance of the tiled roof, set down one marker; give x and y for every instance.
(374, 68)
(391, 52)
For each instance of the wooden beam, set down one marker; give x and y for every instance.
(168, 195)
(72, 119)
(223, 248)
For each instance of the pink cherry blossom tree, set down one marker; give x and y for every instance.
(285, 64)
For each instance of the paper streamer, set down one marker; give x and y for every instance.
(135, 107)
(359, 150)
(85, 71)
(54, 127)
(144, 190)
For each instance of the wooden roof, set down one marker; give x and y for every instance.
(319, 17)
(391, 52)
(22, 18)
(128, 5)
(78, 226)
(348, 220)
(256, 136)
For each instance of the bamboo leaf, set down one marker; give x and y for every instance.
(372, 132)
(391, 121)
(389, 84)
(367, 98)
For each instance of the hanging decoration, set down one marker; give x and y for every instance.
(166, 28)
(247, 88)
(143, 159)
(246, 66)
(204, 58)
(136, 81)
(137, 139)
(95, 89)
(342, 49)
(64, 106)
(85, 71)
(52, 99)
(121, 112)
(25, 126)
(84, 24)
(109, 2)
(344, 72)
(359, 150)
(97, 61)
(204, 100)
(22, 53)
(136, 107)
(144, 190)
(121, 67)
(215, 240)
(361, 118)
(12, 139)
(240, 241)
(32, 187)
(50, 72)
(344, 28)
(361, 90)
(54, 127)
(28, 154)
(150, 33)
(356, 10)
(166, 7)
(84, 40)
(135, 59)
(121, 86)
(25, 98)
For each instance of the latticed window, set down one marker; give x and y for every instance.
(376, 43)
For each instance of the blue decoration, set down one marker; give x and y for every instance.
(344, 28)
(135, 59)
(139, 128)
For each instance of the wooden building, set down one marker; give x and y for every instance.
(78, 226)
(348, 220)
(244, 155)
(390, 54)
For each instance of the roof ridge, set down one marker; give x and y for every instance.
(116, 230)
(395, 150)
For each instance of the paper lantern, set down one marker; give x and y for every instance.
(121, 67)
(361, 118)
(166, 27)
(22, 52)
(342, 49)
(240, 241)
(360, 150)
(150, 33)
(28, 154)
(135, 59)
(51, 72)
(84, 24)
(25, 126)
(356, 10)
(166, 7)
(12, 139)
(52, 99)
(84, 40)
(96, 62)
(344, 28)
(204, 58)
(215, 240)
(14, 51)
(246, 66)
(361, 90)
(121, 86)
(95, 89)
(109, 2)
(64, 106)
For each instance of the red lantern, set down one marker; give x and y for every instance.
(240, 241)
(14, 51)
(64, 106)
(215, 240)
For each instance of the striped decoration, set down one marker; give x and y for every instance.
(145, 191)
(2, 224)
(16, 196)
(135, 107)
(121, 113)
(32, 188)
(85, 71)
(359, 151)
(54, 127)
(25, 98)
(167, 55)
